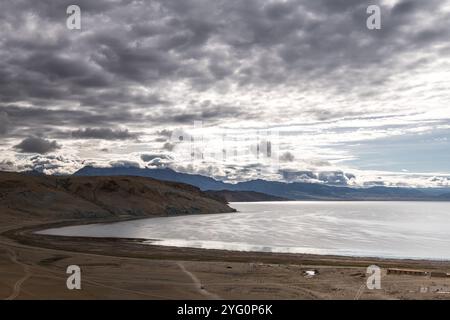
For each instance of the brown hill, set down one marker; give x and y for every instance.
(63, 197)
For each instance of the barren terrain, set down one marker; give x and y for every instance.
(34, 266)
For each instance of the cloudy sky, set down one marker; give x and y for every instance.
(338, 103)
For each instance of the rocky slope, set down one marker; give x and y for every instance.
(49, 197)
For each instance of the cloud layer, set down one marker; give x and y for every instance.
(103, 133)
(139, 71)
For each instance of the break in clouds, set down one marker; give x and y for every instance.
(352, 106)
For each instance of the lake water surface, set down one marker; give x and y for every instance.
(417, 230)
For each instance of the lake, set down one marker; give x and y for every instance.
(416, 230)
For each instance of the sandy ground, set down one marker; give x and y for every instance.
(34, 267)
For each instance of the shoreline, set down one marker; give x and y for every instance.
(27, 235)
(123, 268)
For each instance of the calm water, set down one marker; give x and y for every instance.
(418, 230)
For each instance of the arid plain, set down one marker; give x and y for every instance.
(34, 266)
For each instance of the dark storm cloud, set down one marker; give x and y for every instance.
(103, 133)
(174, 42)
(262, 43)
(37, 145)
(35, 118)
(157, 64)
(209, 114)
(200, 111)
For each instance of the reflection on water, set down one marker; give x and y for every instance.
(418, 230)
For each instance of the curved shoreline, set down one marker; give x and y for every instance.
(135, 248)
(115, 268)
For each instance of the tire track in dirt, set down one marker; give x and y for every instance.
(198, 284)
(18, 285)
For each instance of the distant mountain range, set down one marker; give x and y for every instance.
(291, 191)
(243, 196)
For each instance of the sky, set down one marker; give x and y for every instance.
(236, 90)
